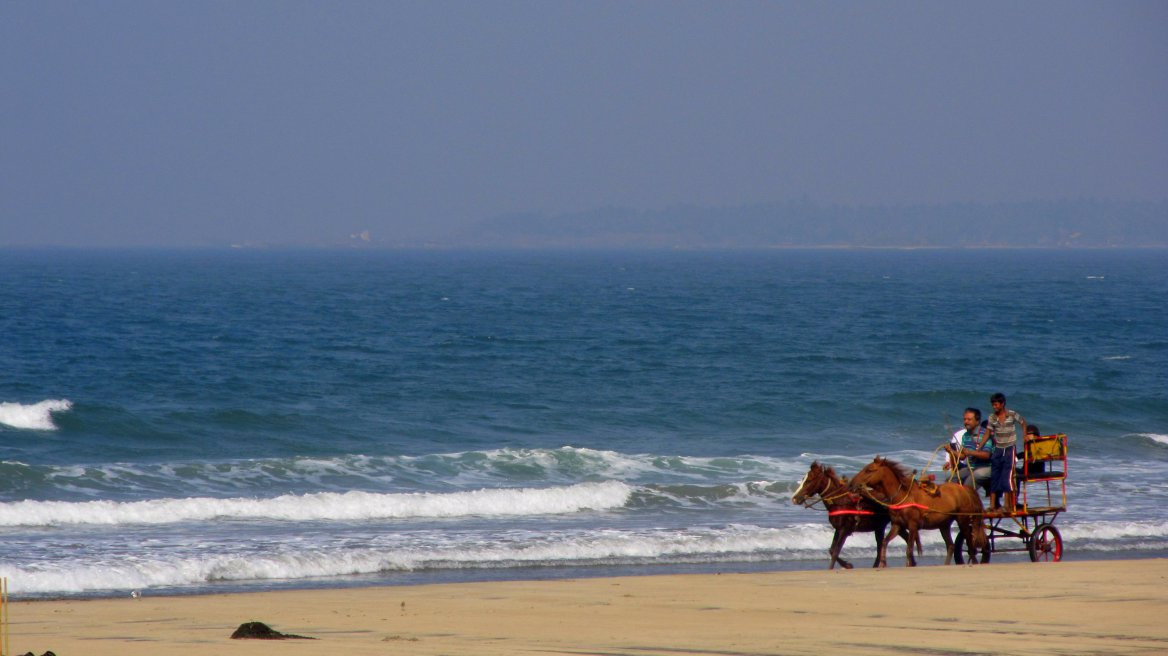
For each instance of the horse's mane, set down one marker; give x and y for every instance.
(832, 475)
(902, 472)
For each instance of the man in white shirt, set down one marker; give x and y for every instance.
(974, 463)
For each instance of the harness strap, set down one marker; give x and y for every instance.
(834, 513)
(902, 506)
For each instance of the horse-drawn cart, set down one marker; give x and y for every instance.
(1042, 496)
(885, 493)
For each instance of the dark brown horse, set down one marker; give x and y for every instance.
(912, 507)
(847, 511)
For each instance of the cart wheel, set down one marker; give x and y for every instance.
(1046, 544)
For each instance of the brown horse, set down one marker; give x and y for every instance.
(847, 511)
(912, 507)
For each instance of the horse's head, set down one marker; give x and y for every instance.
(813, 483)
(861, 479)
(879, 479)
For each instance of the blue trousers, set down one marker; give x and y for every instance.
(1002, 469)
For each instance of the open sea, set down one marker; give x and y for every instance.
(215, 421)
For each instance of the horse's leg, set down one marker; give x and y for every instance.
(837, 546)
(945, 534)
(882, 555)
(879, 531)
(965, 539)
(914, 537)
(831, 551)
(908, 538)
(960, 543)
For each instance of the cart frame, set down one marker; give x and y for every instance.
(1042, 497)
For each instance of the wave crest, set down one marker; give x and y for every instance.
(1155, 438)
(733, 543)
(323, 506)
(38, 416)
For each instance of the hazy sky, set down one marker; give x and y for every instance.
(188, 123)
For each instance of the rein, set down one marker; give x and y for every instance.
(899, 505)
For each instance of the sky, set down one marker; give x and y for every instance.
(147, 123)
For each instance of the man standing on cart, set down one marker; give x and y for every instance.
(1003, 430)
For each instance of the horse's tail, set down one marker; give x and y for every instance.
(920, 551)
(978, 540)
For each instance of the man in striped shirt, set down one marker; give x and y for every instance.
(1003, 430)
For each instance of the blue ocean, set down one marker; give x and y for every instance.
(188, 422)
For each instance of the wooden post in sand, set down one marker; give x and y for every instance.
(4, 616)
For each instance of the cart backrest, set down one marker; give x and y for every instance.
(1046, 447)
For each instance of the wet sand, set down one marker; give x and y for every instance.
(1095, 607)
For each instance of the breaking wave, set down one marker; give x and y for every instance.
(592, 548)
(323, 506)
(38, 416)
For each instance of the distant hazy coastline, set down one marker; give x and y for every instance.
(796, 224)
(804, 224)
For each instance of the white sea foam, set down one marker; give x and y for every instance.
(1156, 437)
(462, 470)
(209, 562)
(323, 506)
(1114, 530)
(734, 542)
(38, 416)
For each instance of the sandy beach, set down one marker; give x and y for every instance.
(1096, 607)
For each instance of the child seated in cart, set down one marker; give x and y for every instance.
(1032, 433)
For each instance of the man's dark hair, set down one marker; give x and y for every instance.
(998, 397)
(976, 413)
